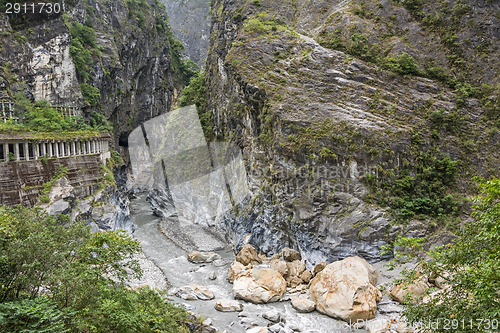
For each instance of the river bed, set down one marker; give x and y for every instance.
(171, 259)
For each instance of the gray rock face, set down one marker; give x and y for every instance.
(315, 124)
(190, 22)
(133, 73)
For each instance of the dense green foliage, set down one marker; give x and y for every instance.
(195, 93)
(41, 117)
(84, 50)
(469, 267)
(57, 277)
(422, 191)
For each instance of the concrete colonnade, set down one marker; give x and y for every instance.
(26, 150)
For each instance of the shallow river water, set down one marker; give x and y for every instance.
(172, 260)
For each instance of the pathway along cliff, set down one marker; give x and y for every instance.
(172, 260)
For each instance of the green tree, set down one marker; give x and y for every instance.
(58, 277)
(469, 265)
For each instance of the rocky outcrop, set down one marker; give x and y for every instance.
(259, 285)
(346, 290)
(131, 62)
(317, 123)
(105, 209)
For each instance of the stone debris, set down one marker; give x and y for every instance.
(194, 292)
(228, 305)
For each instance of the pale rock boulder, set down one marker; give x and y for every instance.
(194, 292)
(235, 269)
(202, 257)
(228, 305)
(412, 291)
(262, 285)
(272, 315)
(303, 305)
(346, 290)
(248, 255)
(296, 268)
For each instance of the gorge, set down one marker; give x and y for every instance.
(345, 127)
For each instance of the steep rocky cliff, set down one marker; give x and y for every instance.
(114, 57)
(190, 22)
(359, 120)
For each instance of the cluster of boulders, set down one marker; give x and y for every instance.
(344, 289)
(418, 288)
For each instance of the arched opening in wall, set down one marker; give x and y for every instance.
(22, 152)
(3, 155)
(123, 140)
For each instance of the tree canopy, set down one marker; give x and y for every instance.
(59, 277)
(469, 266)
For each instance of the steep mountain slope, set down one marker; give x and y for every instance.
(345, 107)
(115, 57)
(190, 22)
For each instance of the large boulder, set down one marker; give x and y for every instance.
(248, 255)
(346, 290)
(262, 285)
(202, 257)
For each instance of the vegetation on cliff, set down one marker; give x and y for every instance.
(468, 265)
(41, 119)
(195, 93)
(57, 277)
